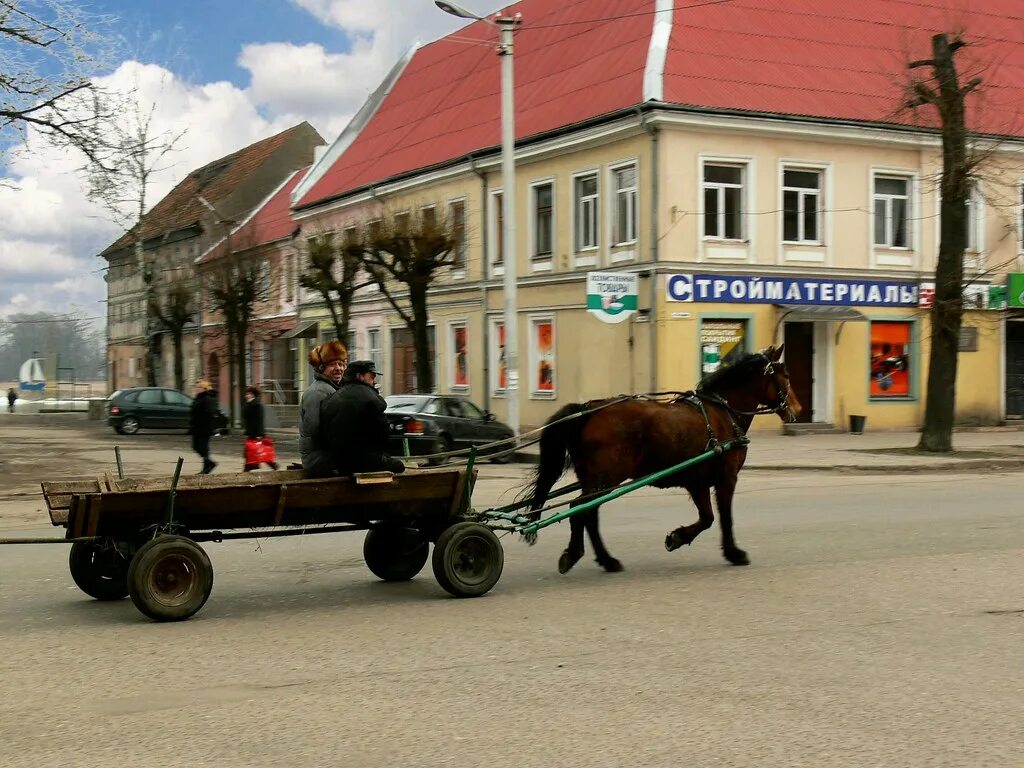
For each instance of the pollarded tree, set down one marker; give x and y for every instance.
(234, 292)
(333, 274)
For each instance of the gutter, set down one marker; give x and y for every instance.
(483, 283)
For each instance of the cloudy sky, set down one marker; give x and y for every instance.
(230, 72)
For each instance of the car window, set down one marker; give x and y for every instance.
(436, 407)
(176, 398)
(404, 404)
(470, 410)
(131, 397)
(150, 397)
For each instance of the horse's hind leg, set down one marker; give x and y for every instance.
(604, 559)
(687, 533)
(574, 551)
(724, 494)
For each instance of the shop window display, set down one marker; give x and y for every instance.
(890, 359)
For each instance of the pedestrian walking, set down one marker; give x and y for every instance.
(202, 422)
(259, 449)
(329, 361)
(12, 398)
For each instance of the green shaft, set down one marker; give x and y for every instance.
(629, 487)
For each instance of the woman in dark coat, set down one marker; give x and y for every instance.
(252, 417)
(202, 422)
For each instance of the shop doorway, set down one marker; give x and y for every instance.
(403, 361)
(799, 358)
(1015, 369)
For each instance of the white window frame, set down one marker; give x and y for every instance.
(492, 330)
(586, 256)
(888, 199)
(453, 325)
(541, 262)
(458, 270)
(620, 248)
(374, 353)
(495, 268)
(533, 321)
(888, 255)
(744, 188)
(264, 361)
(803, 193)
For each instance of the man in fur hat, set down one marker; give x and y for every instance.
(355, 426)
(329, 361)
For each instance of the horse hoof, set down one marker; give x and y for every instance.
(674, 541)
(566, 562)
(737, 557)
(611, 565)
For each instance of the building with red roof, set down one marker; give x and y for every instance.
(753, 163)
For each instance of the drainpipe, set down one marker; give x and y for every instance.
(483, 284)
(652, 319)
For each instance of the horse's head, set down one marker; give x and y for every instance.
(778, 395)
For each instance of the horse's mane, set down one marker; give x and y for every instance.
(736, 373)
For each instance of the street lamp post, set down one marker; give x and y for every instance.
(506, 26)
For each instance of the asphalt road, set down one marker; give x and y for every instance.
(881, 623)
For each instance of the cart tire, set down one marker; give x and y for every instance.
(395, 554)
(101, 572)
(468, 559)
(170, 578)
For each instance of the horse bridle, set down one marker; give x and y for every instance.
(782, 402)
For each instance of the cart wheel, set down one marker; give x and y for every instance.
(468, 559)
(395, 554)
(170, 578)
(99, 571)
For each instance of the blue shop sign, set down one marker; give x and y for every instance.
(791, 290)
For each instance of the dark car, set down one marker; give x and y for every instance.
(442, 423)
(129, 410)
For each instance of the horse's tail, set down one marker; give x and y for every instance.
(558, 441)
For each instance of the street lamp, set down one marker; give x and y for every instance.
(506, 25)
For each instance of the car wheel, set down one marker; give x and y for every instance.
(130, 425)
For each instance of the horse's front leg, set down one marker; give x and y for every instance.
(724, 494)
(601, 554)
(574, 551)
(687, 533)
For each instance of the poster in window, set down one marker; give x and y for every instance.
(890, 359)
(721, 343)
(544, 331)
(460, 348)
(499, 332)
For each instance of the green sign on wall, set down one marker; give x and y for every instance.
(1015, 289)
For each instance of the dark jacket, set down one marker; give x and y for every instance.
(202, 419)
(312, 445)
(252, 417)
(356, 428)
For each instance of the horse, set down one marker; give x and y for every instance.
(610, 441)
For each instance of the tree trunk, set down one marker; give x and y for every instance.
(239, 394)
(179, 361)
(229, 329)
(946, 313)
(421, 339)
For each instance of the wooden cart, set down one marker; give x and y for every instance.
(141, 536)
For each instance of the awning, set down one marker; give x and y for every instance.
(810, 313)
(306, 330)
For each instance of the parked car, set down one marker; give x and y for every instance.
(129, 410)
(441, 423)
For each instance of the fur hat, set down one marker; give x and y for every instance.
(203, 385)
(322, 354)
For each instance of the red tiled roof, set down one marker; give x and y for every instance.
(582, 59)
(270, 222)
(180, 208)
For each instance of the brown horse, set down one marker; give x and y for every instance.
(611, 441)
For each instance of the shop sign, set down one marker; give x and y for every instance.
(975, 296)
(1015, 289)
(791, 290)
(612, 296)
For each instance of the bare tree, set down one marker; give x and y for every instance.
(234, 292)
(942, 91)
(400, 253)
(51, 52)
(333, 274)
(171, 302)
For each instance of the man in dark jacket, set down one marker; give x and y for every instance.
(202, 422)
(355, 425)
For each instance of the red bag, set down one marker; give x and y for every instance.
(260, 451)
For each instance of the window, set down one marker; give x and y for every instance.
(892, 211)
(469, 410)
(624, 216)
(972, 218)
(543, 220)
(890, 359)
(151, 397)
(722, 342)
(428, 217)
(263, 281)
(373, 346)
(586, 201)
(458, 373)
(542, 356)
(498, 229)
(723, 201)
(499, 374)
(457, 221)
(402, 223)
(801, 205)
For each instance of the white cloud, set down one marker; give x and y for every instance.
(50, 232)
